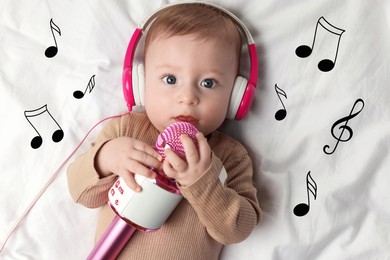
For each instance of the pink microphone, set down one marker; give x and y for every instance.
(139, 210)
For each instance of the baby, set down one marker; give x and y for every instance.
(191, 59)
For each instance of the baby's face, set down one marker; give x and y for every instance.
(189, 79)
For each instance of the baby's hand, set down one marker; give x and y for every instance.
(187, 172)
(125, 156)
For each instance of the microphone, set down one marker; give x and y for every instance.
(146, 210)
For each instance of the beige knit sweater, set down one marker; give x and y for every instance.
(210, 215)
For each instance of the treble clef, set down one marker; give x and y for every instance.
(344, 128)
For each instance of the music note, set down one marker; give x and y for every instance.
(281, 113)
(302, 209)
(304, 51)
(43, 123)
(91, 84)
(344, 127)
(51, 51)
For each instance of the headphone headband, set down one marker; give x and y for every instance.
(144, 24)
(252, 81)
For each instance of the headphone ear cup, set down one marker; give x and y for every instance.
(138, 82)
(238, 91)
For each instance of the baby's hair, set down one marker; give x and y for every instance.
(202, 20)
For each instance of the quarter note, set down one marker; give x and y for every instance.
(344, 127)
(281, 113)
(57, 135)
(304, 51)
(302, 209)
(91, 84)
(52, 50)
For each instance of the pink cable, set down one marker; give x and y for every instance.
(50, 181)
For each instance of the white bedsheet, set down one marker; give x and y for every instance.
(330, 151)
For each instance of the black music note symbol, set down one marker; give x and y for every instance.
(304, 51)
(57, 135)
(344, 127)
(51, 51)
(91, 84)
(281, 113)
(302, 209)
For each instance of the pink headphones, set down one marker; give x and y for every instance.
(243, 89)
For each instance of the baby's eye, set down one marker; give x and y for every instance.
(208, 83)
(169, 79)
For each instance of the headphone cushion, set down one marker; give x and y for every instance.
(238, 92)
(138, 84)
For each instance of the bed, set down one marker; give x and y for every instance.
(318, 130)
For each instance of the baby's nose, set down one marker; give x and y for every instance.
(189, 96)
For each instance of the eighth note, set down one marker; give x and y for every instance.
(304, 51)
(281, 113)
(340, 138)
(91, 84)
(43, 123)
(52, 50)
(302, 209)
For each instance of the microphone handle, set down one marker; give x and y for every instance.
(113, 240)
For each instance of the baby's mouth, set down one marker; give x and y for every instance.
(188, 119)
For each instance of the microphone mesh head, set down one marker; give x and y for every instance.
(170, 138)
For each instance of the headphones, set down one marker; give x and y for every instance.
(133, 76)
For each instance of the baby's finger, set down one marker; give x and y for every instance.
(191, 152)
(130, 181)
(145, 159)
(204, 147)
(141, 146)
(174, 160)
(139, 168)
(168, 170)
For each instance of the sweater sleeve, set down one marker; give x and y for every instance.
(85, 184)
(229, 212)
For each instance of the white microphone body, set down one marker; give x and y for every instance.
(148, 209)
